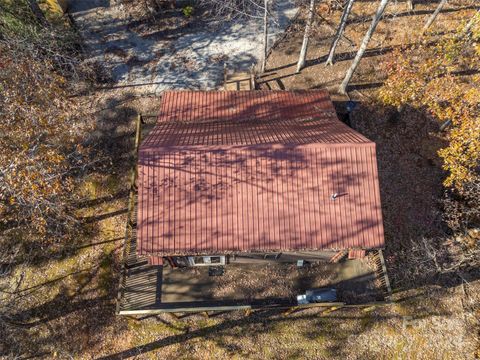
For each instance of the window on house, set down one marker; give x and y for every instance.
(272, 256)
(206, 260)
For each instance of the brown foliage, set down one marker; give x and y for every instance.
(439, 77)
(42, 127)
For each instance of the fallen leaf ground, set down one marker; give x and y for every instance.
(67, 302)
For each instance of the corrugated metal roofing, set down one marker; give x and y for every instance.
(249, 118)
(155, 260)
(212, 189)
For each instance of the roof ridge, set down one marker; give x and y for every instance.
(252, 119)
(264, 146)
(249, 117)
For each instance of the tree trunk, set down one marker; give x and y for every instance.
(37, 12)
(306, 36)
(265, 36)
(410, 5)
(435, 14)
(363, 46)
(341, 28)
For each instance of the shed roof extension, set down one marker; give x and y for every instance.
(259, 171)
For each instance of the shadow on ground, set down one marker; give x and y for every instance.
(170, 51)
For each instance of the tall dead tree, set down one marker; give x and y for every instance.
(265, 35)
(361, 51)
(432, 18)
(306, 37)
(410, 5)
(340, 30)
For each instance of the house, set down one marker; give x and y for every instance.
(251, 176)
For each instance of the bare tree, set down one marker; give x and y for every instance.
(410, 5)
(376, 19)
(265, 35)
(227, 10)
(340, 30)
(435, 14)
(306, 36)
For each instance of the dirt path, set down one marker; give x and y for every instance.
(171, 52)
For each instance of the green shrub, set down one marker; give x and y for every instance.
(187, 11)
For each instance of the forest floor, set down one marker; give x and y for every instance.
(150, 54)
(398, 28)
(68, 300)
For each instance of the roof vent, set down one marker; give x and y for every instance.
(335, 196)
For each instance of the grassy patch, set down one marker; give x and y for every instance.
(147, 331)
(106, 275)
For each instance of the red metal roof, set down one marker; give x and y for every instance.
(255, 171)
(249, 118)
(155, 260)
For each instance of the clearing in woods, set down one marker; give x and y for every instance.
(172, 51)
(68, 300)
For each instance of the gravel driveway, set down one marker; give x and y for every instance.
(171, 52)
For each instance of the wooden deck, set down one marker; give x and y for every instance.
(184, 290)
(141, 285)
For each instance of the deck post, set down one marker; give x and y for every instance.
(138, 139)
(252, 77)
(138, 132)
(224, 75)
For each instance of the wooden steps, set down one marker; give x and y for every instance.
(381, 273)
(236, 81)
(338, 256)
(356, 254)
